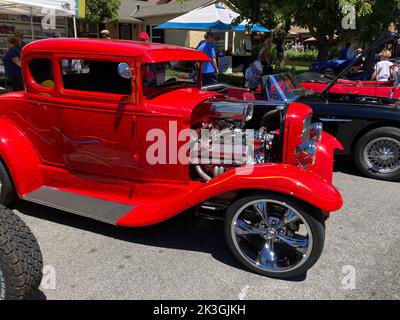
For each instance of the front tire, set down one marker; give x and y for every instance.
(8, 195)
(377, 154)
(275, 235)
(21, 261)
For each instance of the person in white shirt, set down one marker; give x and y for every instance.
(253, 75)
(383, 69)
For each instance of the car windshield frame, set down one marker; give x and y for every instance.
(161, 81)
(285, 86)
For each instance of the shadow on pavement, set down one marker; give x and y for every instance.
(184, 232)
(346, 165)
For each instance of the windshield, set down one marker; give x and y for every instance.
(283, 87)
(156, 76)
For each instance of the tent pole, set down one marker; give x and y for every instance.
(75, 28)
(32, 35)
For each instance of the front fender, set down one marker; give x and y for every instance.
(285, 179)
(323, 165)
(20, 158)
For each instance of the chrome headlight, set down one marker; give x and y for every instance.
(305, 135)
(306, 153)
(316, 130)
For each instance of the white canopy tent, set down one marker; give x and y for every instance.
(38, 8)
(213, 17)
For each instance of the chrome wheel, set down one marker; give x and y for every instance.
(271, 235)
(382, 155)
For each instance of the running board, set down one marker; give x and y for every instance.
(94, 208)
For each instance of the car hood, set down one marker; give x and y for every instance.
(178, 102)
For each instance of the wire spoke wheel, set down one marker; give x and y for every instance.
(271, 235)
(382, 155)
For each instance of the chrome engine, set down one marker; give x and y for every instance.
(224, 143)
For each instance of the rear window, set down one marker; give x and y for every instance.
(93, 76)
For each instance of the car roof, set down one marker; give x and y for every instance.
(143, 51)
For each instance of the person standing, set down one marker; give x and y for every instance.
(383, 69)
(263, 58)
(210, 69)
(263, 54)
(12, 64)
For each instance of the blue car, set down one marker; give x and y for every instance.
(336, 65)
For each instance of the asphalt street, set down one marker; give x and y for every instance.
(187, 258)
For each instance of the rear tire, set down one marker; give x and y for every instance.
(8, 195)
(21, 261)
(285, 244)
(377, 154)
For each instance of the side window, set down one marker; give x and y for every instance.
(93, 76)
(42, 72)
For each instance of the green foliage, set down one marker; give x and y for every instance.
(271, 52)
(295, 56)
(322, 17)
(373, 17)
(101, 11)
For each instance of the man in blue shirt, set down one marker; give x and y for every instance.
(12, 64)
(210, 69)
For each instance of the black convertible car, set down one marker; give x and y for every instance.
(368, 127)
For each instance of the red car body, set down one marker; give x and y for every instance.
(36, 154)
(381, 89)
(80, 135)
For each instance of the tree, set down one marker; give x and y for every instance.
(373, 18)
(322, 17)
(101, 11)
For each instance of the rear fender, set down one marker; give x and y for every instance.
(20, 158)
(285, 179)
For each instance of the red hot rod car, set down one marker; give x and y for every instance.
(102, 131)
(317, 82)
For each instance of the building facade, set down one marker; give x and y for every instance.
(143, 16)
